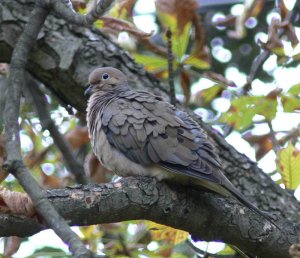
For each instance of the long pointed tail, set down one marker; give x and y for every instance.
(231, 189)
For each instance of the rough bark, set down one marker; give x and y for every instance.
(62, 59)
(65, 54)
(205, 215)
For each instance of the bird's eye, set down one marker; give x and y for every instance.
(105, 76)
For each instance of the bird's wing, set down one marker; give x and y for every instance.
(148, 130)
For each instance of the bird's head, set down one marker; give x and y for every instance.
(105, 79)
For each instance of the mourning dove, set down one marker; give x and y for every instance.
(137, 133)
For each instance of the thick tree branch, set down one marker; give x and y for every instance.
(206, 216)
(65, 73)
(14, 163)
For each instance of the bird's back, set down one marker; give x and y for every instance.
(150, 131)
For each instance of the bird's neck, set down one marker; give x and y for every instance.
(96, 104)
(100, 99)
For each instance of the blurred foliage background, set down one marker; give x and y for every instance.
(236, 63)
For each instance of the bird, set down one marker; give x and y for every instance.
(136, 133)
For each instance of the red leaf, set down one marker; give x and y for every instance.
(274, 93)
(219, 78)
(77, 137)
(118, 25)
(95, 170)
(51, 182)
(261, 143)
(183, 10)
(185, 82)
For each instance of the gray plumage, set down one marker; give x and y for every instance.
(137, 133)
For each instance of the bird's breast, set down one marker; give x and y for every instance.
(115, 160)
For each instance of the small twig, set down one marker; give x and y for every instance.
(275, 142)
(291, 135)
(170, 67)
(295, 12)
(263, 56)
(65, 12)
(256, 64)
(239, 252)
(47, 123)
(14, 163)
(278, 4)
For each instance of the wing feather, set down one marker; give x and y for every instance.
(149, 131)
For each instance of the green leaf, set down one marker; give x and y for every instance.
(243, 109)
(211, 92)
(296, 57)
(99, 24)
(178, 255)
(73, 124)
(196, 62)
(279, 51)
(152, 63)
(290, 103)
(144, 253)
(167, 20)
(227, 251)
(180, 41)
(49, 252)
(288, 162)
(294, 90)
(266, 107)
(237, 119)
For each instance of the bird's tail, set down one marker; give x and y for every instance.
(231, 189)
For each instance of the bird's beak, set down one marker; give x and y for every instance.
(89, 89)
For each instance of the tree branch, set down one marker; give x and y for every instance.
(206, 216)
(65, 73)
(170, 67)
(47, 123)
(69, 15)
(14, 163)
